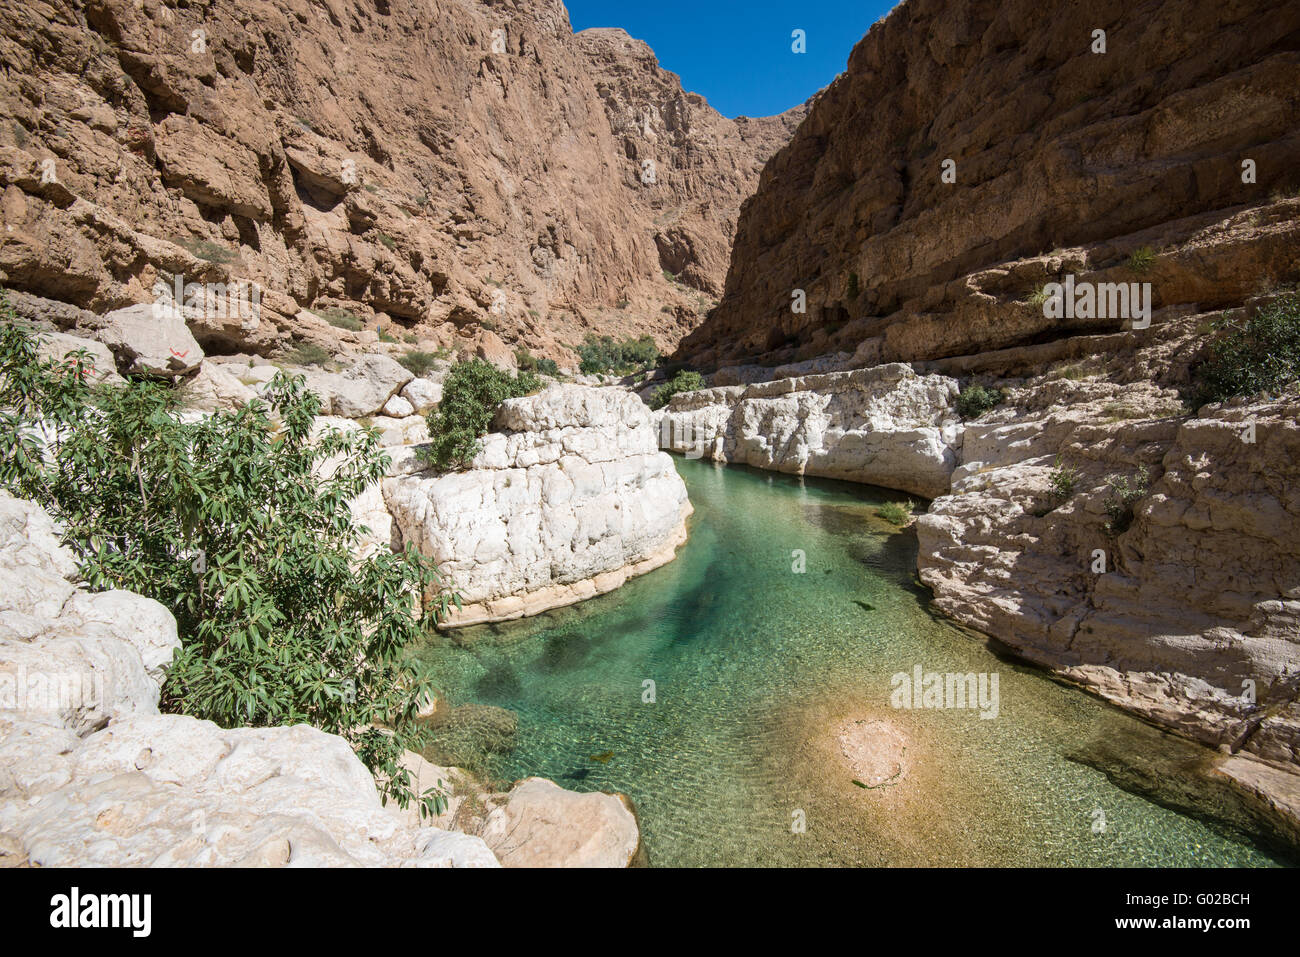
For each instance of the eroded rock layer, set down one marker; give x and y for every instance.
(882, 426)
(1053, 146)
(568, 501)
(474, 172)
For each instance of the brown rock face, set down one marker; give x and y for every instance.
(1052, 146)
(463, 168)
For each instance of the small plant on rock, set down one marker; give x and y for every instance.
(1061, 481)
(896, 513)
(1124, 494)
(1142, 259)
(973, 401)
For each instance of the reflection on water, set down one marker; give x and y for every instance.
(710, 690)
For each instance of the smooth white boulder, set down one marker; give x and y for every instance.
(568, 503)
(883, 426)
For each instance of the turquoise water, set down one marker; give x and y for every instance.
(755, 666)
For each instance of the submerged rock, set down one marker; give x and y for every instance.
(875, 751)
(467, 735)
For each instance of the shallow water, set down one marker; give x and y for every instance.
(755, 666)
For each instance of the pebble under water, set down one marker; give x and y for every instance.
(755, 665)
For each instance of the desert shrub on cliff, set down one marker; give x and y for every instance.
(1061, 480)
(603, 354)
(530, 363)
(1124, 494)
(239, 524)
(470, 397)
(421, 363)
(308, 354)
(685, 381)
(1251, 353)
(973, 401)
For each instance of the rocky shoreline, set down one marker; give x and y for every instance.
(92, 774)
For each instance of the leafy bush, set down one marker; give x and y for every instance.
(897, 513)
(531, 363)
(470, 397)
(236, 524)
(684, 381)
(208, 251)
(973, 401)
(602, 354)
(1259, 353)
(308, 354)
(421, 363)
(1062, 480)
(1124, 494)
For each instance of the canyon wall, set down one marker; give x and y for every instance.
(473, 173)
(1053, 147)
(1095, 521)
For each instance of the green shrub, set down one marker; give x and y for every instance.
(531, 363)
(308, 354)
(341, 319)
(421, 363)
(684, 381)
(1258, 353)
(388, 241)
(852, 289)
(973, 401)
(1124, 494)
(1062, 480)
(600, 354)
(1142, 259)
(896, 513)
(470, 396)
(208, 251)
(228, 522)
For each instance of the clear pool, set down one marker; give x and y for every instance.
(754, 665)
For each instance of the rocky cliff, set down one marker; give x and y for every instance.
(1052, 146)
(1097, 521)
(470, 172)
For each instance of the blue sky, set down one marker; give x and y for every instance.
(737, 54)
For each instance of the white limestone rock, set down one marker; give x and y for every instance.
(423, 394)
(102, 368)
(568, 503)
(882, 426)
(147, 340)
(362, 389)
(398, 408)
(215, 388)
